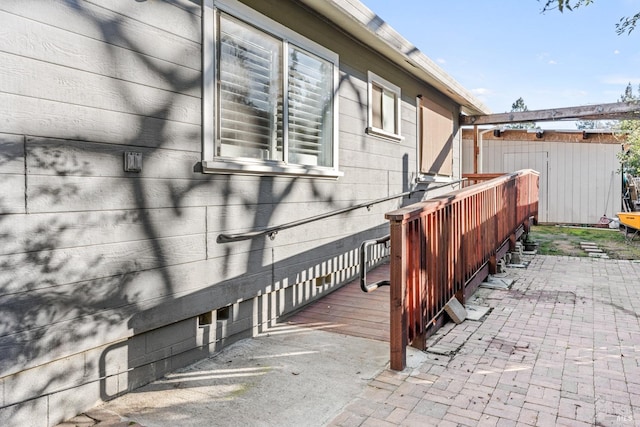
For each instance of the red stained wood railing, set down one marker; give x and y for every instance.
(446, 246)
(476, 178)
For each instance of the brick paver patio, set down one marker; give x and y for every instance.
(560, 347)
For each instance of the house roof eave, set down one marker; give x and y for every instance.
(363, 24)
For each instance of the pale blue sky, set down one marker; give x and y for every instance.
(501, 50)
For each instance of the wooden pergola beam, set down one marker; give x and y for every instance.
(613, 111)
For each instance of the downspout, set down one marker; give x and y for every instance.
(476, 150)
(478, 153)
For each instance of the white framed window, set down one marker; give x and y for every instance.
(269, 101)
(383, 112)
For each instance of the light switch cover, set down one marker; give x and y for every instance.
(132, 161)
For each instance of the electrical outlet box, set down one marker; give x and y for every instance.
(132, 161)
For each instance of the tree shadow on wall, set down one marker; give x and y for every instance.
(99, 246)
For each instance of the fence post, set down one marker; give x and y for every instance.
(398, 296)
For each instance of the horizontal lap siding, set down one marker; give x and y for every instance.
(24, 115)
(97, 264)
(94, 39)
(60, 84)
(12, 181)
(80, 85)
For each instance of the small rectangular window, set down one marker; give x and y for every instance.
(384, 108)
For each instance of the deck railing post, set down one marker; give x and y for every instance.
(398, 296)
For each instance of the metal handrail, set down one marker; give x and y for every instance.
(272, 231)
(363, 264)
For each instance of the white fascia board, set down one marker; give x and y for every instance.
(363, 24)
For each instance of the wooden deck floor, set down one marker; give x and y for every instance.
(350, 311)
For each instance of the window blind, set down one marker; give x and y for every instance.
(250, 92)
(309, 107)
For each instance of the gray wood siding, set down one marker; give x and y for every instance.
(12, 175)
(103, 272)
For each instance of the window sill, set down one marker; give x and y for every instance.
(267, 169)
(384, 134)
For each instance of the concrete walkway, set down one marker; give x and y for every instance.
(561, 347)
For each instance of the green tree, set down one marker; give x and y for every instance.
(518, 107)
(630, 157)
(586, 124)
(628, 96)
(626, 24)
(596, 124)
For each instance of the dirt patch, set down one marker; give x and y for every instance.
(564, 240)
